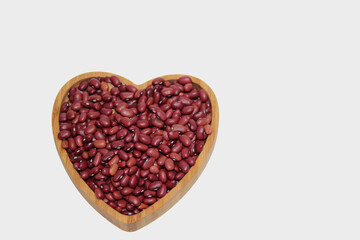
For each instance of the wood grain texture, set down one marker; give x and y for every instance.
(137, 221)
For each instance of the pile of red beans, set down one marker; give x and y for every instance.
(133, 146)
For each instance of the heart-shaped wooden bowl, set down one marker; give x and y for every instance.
(137, 221)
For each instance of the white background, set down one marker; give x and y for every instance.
(286, 75)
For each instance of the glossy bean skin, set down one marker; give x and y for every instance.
(132, 146)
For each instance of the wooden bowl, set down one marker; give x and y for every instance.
(137, 221)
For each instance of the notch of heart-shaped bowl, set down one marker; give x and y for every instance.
(137, 221)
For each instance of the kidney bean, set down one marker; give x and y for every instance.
(170, 184)
(107, 156)
(93, 114)
(179, 176)
(137, 191)
(187, 110)
(156, 141)
(154, 169)
(85, 174)
(152, 152)
(83, 85)
(99, 193)
(173, 135)
(99, 143)
(162, 191)
(119, 175)
(157, 123)
(132, 170)
(185, 140)
(200, 132)
(178, 128)
(64, 144)
(191, 160)
(143, 206)
(142, 123)
(169, 164)
(144, 173)
(154, 186)
(177, 147)
(203, 95)
(131, 162)
(117, 144)
(167, 92)
(127, 113)
(150, 201)
(184, 80)
(175, 156)
(188, 87)
(208, 129)
(199, 146)
(113, 130)
(117, 195)
(113, 169)
(134, 200)
(145, 139)
(162, 175)
(126, 95)
(124, 180)
(105, 121)
(65, 134)
(141, 147)
(126, 191)
(123, 155)
(152, 177)
(164, 149)
(184, 166)
(133, 181)
(148, 163)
